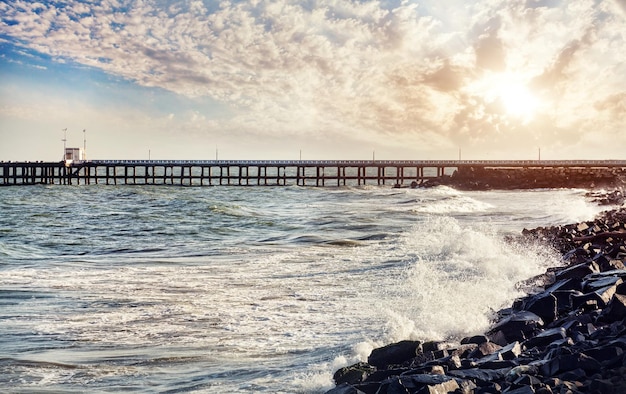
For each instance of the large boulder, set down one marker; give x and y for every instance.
(395, 353)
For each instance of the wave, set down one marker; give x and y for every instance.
(465, 271)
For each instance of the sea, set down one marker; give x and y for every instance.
(227, 289)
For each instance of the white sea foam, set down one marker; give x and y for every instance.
(452, 204)
(457, 275)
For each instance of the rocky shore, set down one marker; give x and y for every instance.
(567, 337)
(485, 178)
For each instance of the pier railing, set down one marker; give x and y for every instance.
(267, 172)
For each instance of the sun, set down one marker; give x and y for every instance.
(511, 93)
(518, 101)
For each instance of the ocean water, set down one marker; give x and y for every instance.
(249, 290)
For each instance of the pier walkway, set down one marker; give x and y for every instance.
(272, 172)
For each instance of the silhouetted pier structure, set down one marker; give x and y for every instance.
(272, 172)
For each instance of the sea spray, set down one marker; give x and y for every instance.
(459, 274)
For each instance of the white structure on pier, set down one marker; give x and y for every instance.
(74, 155)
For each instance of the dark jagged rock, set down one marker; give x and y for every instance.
(356, 373)
(396, 353)
(543, 305)
(516, 327)
(567, 337)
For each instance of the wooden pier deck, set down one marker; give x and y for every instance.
(268, 172)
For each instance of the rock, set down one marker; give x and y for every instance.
(344, 388)
(476, 339)
(613, 265)
(616, 308)
(356, 373)
(496, 363)
(395, 353)
(483, 376)
(466, 386)
(385, 374)
(437, 370)
(484, 349)
(603, 386)
(578, 271)
(565, 284)
(434, 346)
(521, 390)
(564, 299)
(569, 362)
(597, 282)
(521, 370)
(543, 305)
(462, 350)
(517, 327)
(435, 384)
(511, 351)
(546, 337)
(606, 355)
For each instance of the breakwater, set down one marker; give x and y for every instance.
(463, 174)
(569, 336)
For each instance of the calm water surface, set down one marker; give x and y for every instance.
(263, 289)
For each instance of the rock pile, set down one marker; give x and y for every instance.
(569, 337)
(484, 178)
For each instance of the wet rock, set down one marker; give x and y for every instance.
(543, 305)
(516, 327)
(353, 374)
(476, 339)
(578, 271)
(395, 353)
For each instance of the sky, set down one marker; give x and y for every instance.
(313, 79)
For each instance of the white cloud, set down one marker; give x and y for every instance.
(348, 67)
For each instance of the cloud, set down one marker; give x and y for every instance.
(490, 53)
(556, 72)
(377, 69)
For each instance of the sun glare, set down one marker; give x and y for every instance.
(518, 101)
(511, 92)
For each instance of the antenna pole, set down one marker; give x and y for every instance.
(64, 140)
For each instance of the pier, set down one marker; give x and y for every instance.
(319, 173)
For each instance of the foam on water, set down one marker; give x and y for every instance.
(457, 277)
(251, 290)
